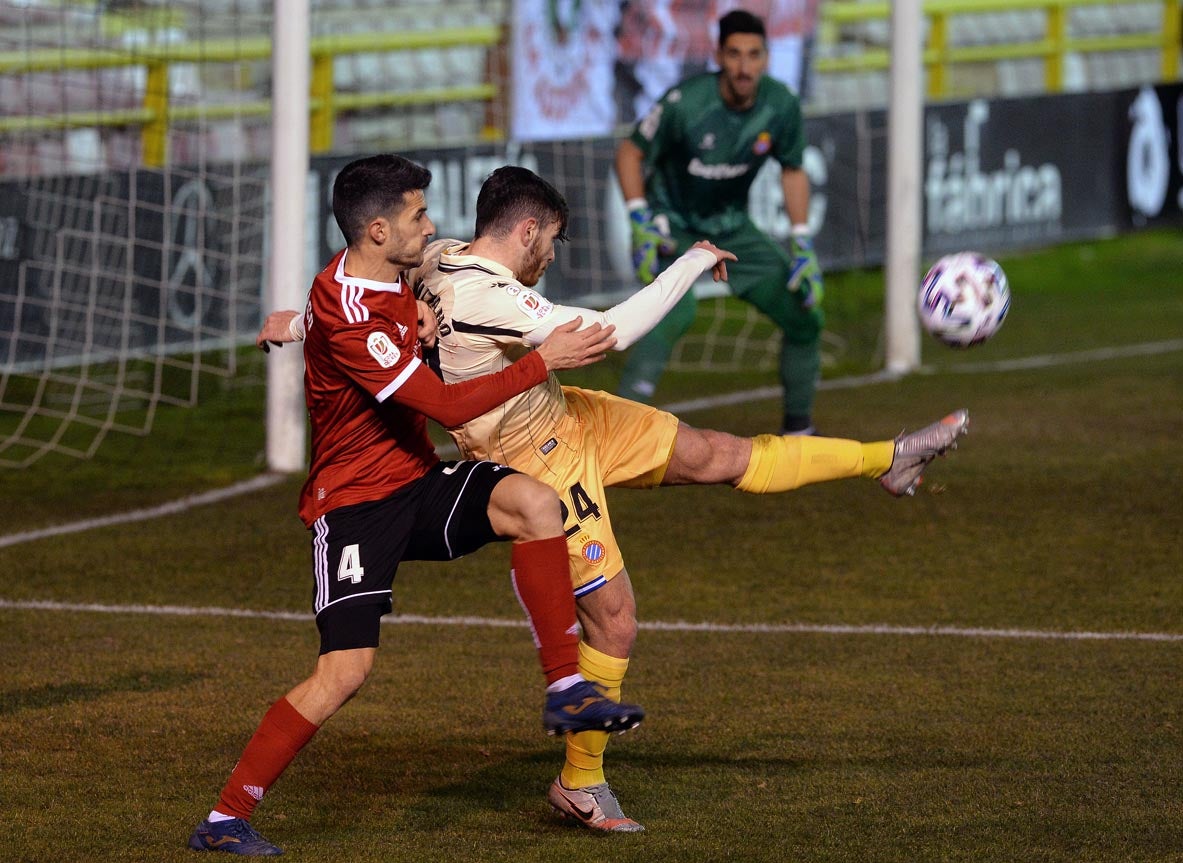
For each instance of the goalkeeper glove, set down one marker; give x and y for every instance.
(650, 238)
(805, 274)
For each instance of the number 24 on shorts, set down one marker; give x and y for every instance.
(583, 505)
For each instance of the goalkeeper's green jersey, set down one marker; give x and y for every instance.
(701, 156)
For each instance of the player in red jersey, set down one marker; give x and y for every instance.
(377, 493)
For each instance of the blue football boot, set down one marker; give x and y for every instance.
(235, 836)
(584, 707)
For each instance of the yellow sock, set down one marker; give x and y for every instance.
(786, 462)
(585, 750)
(877, 458)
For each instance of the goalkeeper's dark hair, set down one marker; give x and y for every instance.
(372, 187)
(740, 21)
(512, 194)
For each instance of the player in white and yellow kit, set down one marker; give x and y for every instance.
(580, 442)
(576, 440)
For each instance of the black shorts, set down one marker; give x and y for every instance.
(356, 549)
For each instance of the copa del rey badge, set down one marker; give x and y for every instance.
(382, 349)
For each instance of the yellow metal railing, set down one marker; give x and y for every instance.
(1052, 47)
(156, 114)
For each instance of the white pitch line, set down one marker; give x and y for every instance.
(655, 625)
(1040, 361)
(683, 407)
(1043, 361)
(766, 393)
(171, 508)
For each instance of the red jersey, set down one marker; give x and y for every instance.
(369, 393)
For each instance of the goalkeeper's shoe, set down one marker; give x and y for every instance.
(584, 707)
(235, 836)
(914, 451)
(595, 807)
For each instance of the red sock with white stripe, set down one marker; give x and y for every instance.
(279, 737)
(541, 577)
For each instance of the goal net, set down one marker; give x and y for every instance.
(122, 285)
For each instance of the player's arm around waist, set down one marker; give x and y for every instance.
(457, 403)
(567, 347)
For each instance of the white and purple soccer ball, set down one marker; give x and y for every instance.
(963, 299)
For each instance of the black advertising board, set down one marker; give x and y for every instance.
(122, 263)
(1148, 130)
(1017, 173)
(997, 175)
(174, 260)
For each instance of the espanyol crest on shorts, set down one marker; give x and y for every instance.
(593, 551)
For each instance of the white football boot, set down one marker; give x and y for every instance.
(595, 807)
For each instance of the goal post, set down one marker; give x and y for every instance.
(904, 168)
(286, 282)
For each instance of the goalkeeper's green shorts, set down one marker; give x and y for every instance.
(759, 277)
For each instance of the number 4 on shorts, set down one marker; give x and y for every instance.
(350, 568)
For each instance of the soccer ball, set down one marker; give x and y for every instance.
(963, 299)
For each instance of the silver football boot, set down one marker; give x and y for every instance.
(914, 451)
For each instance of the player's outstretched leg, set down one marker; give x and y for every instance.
(583, 706)
(594, 806)
(234, 836)
(914, 452)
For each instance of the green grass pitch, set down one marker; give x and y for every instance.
(854, 737)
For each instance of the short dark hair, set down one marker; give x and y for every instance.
(511, 194)
(372, 187)
(740, 21)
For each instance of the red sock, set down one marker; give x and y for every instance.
(282, 733)
(541, 577)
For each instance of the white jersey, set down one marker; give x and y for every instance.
(488, 319)
(485, 315)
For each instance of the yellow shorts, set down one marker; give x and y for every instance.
(602, 441)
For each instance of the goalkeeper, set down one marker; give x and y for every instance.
(685, 173)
